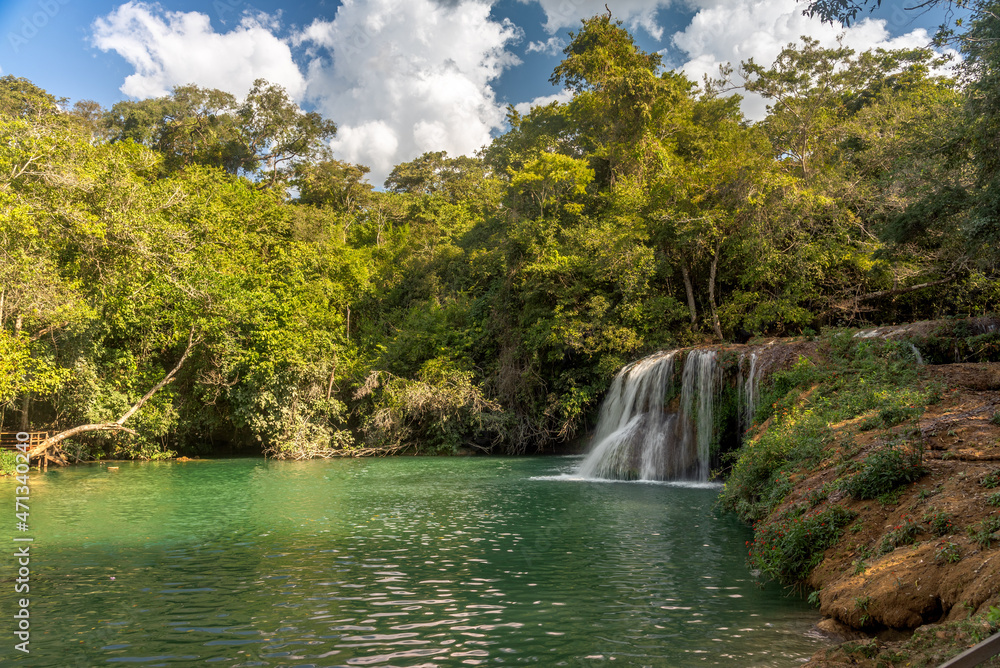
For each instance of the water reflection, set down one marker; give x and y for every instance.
(404, 562)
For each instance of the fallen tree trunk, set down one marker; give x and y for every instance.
(116, 426)
(852, 303)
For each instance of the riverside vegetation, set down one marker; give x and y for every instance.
(478, 302)
(195, 274)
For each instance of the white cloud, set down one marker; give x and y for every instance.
(169, 49)
(401, 79)
(634, 13)
(562, 97)
(553, 46)
(732, 31)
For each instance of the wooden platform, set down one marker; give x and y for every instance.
(8, 441)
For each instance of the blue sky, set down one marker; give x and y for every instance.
(400, 77)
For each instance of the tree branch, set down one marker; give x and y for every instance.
(850, 304)
(117, 425)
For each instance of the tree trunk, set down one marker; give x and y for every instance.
(329, 385)
(711, 291)
(25, 405)
(852, 304)
(119, 424)
(689, 289)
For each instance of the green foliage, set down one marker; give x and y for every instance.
(940, 523)
(890, 417)
(949, 553)
(492, 298)
(859, 376)
(902, 534)
(983, 531)
(8, 462)
(990, 480)
(883, 471)
(787, 548)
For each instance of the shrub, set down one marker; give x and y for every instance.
(982, 532)
(990, 480)
(787, 548)
(939, 523)
(890, 417)
(902, 534)
(949, 553)
(7, 462)
(883, 471)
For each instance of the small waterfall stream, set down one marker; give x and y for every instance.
(646, 432)
(750, 371)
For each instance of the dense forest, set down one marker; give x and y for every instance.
(211, 249)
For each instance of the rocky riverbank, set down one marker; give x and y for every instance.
(890, 516)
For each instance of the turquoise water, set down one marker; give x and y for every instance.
(389, 562)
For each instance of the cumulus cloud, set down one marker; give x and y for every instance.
(562, 96)
(634, 13)
(401, 79)
(552, 46)
(733, 31)
(168, 49)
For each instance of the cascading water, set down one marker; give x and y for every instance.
(749, 388)
(645, 433)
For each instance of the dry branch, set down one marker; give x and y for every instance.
(117, 425)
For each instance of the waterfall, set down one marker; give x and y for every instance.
(749, 390)
(644, 433)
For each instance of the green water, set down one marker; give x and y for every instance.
(390, 562)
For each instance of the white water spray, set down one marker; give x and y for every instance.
(749, 388)
(644, 433)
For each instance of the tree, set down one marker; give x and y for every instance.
(262, 137)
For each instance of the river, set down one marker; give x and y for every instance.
(388, 562)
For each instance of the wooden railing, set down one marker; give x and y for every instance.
(977, 655)
(9, 441)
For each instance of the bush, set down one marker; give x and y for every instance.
(8, 462)
(982, 532)
(940, 523)
(787, 548)
(890, 417)
(883, 471)
(990, 480)
(902, 534)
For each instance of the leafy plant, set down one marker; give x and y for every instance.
(940, 523)
(990, 480)
(982, 532)
(8, 462)
(787, 548)
(883, 471)
(948, 553)
(861, 604)
(902, 534)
